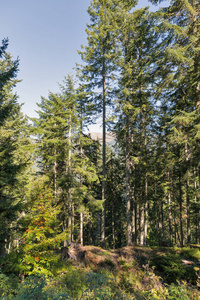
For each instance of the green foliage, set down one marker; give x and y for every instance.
(107, 263)
(172, 268)
(65, 153)
(178, 292)
(191, 253)
(149, 63)
(42, 234)
(32, 288)
(78, 283)
(36, 287)
(8, 286)
(173, 292)
(74, 280)
(13, 156)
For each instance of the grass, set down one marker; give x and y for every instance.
(130, 273)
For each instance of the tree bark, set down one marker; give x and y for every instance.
(81, 228)
(181, 211)
(103, 155)
(128, 201)
(55, 174)
(69, 191)
(187, 197)
(169, 209)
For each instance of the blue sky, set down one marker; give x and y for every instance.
(45, 35)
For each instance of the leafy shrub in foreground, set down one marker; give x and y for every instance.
(8, 286)
(172, 268)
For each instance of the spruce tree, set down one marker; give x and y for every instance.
(99, 57)
(179, 85)
(133, 128)
(61, 154)
(13, 159)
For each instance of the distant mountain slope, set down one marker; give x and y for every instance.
(110, 137)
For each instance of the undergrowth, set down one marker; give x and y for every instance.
(162, 276)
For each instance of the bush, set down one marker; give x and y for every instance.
(190, 253)
(32, 288)
(170, 266)
(178, 292)
(8, 286)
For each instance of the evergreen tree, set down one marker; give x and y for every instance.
(13, 159)
(62, 156)
(179, 84)
(134, 126)
(100, 56)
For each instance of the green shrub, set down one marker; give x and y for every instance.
(122, 262)
(169, 266)
(190, 253)
(32, 288)
(102, 286)
(178, 292)
(8, 286)
(73, 281)
(107, 263)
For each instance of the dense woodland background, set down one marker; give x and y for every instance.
(141, 76)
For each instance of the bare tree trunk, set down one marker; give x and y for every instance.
(72, 222)
(99, 228)
(55, 174)
(113, 227)
(187, 198)
(104, 156)
(160, 224)
(142, 215)
(169, 209)
(81, 228)
(177, 236)
(181, 211)
(128, 201)
(69, 191)
(146, 210)
(198, 211)
(134, 221)
(81, 180)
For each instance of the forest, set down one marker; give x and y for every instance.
(140, 74)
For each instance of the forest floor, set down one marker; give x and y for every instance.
(129, 273)
(141, 272)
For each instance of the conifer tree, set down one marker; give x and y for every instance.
(100, 56)
(139, 43)
(179, 85)
(13, 159)
(61, 154)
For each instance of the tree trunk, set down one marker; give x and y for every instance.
(142, 215)
(169, 210)
(198, 212)
(69, 191)
(81, 180)
(187, 197)
(55, 174)
(128, 201)
(81, 228)
(146, 210)
(99, 228)
(134, 220)
(113, 227)
(181, 211)
(104, 155)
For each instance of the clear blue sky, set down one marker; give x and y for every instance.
(45, 35)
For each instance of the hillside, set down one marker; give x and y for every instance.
(127, 273)
(110, 137)
(136, 272)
